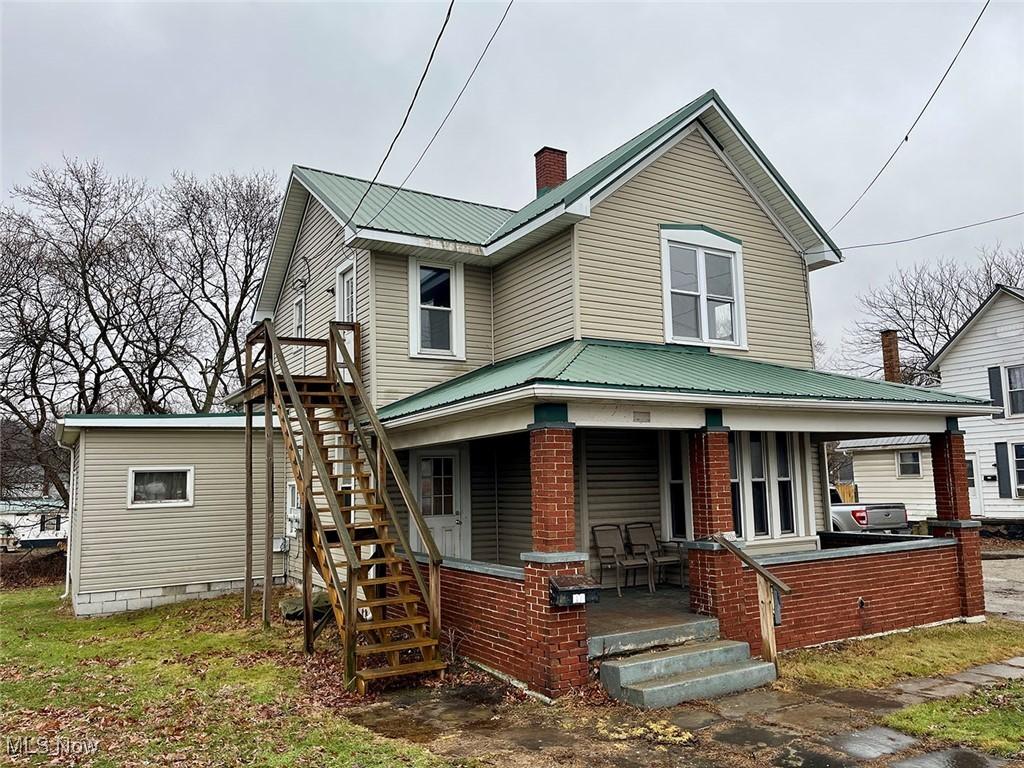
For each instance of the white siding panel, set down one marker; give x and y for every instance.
(397, 374)
(533, 298)
(874, 472)
(995, 338)
(123, 548)
(619, 253)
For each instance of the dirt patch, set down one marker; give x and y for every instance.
(32, 568)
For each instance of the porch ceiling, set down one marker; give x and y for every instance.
(691, 373)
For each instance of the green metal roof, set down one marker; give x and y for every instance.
(411, 213)
(664, 368)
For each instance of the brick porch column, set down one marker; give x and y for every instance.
(556, 637)
(715, 576)
(953, 509)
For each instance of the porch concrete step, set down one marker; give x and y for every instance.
(617, 673)
(698, 684)
(695, 628)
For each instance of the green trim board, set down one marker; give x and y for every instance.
(634, 366)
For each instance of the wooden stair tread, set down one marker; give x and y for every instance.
(401, 645)
(405, 621)
(379, 602)
(366, 542)
(384, 580)
(376, 673)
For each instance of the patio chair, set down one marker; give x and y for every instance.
(645, 542)
(612, 553)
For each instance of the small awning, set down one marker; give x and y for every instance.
(694, 374)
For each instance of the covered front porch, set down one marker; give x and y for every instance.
(514, 482)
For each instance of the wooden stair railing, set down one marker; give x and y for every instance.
(767, 584)
(362, 611)
(390, 462)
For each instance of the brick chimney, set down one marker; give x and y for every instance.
(891, 356)
(550, 168)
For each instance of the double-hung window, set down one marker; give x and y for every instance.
(160, 487)
(435, 309)
(701, 273)
(765, 479)
(908, 463)
(1018, 468)
(1015, 390)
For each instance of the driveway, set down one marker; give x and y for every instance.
(1004, 587)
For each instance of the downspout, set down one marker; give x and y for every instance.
(71, 511)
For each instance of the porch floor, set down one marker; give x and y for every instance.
(639, 620)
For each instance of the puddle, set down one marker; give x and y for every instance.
(802, 756)
(857, 699)
(951, 758)
(871, 743)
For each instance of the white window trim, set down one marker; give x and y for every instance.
(288, 508)
(343, 267)
(299, 311)
(798, 477)
(1007, 413)
(920, 467)
(1018, 490)
(190, 502)
(702, 240)
(458, 311)
(665, 473)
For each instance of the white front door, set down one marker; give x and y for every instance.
(974, 484)
(437, 477)
(345, 304)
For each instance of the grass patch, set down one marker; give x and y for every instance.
(189, 682)
(991, 719)
(930, 652)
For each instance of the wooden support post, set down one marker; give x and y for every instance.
(308, 510)
(247, 592)
(268, 518)
(766, 608)
(351, 617)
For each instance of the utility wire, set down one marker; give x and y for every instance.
(416, 93)
(445, 120)
(920, 237)
(906, 136)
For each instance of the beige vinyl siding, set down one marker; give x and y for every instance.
(622, 480)
(995, 338)
(76, 513)
(619, 255)
(399, 375)
(122, 548)
(818, 493)
(514, 505)
(533, 298)
(315, 250)
(874, 472)
(483, 500)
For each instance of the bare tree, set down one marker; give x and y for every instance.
(926, 304)
(218, 238)
(118, 299)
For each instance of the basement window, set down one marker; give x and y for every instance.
(160, 486)
(908, 463)
(435, 310)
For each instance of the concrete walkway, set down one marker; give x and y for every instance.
(1004, 588)
(813, 727)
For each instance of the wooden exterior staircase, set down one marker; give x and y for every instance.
(387, 614)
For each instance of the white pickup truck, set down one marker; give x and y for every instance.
(878, 518)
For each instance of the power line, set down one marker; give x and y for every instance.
(906, 136)
(449, 114)
(920, 237)
(416, 93)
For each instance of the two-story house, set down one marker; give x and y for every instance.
(983, 358)
(484, 414)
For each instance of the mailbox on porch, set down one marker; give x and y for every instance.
(568, 591)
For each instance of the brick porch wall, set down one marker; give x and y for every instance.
(899, 590)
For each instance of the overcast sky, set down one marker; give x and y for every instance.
(825, 89)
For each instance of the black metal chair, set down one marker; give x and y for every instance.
(612, 553)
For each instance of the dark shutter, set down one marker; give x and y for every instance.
(995, 388)
(1003, 471)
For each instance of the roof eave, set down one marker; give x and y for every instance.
(933, 364)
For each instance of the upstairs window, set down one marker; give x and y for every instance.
(701, 276)
(1015, 390)
(435, 310)
(908, 463)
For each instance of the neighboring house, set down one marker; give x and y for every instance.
(984, 358)
(632, 346)
(158, 509)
